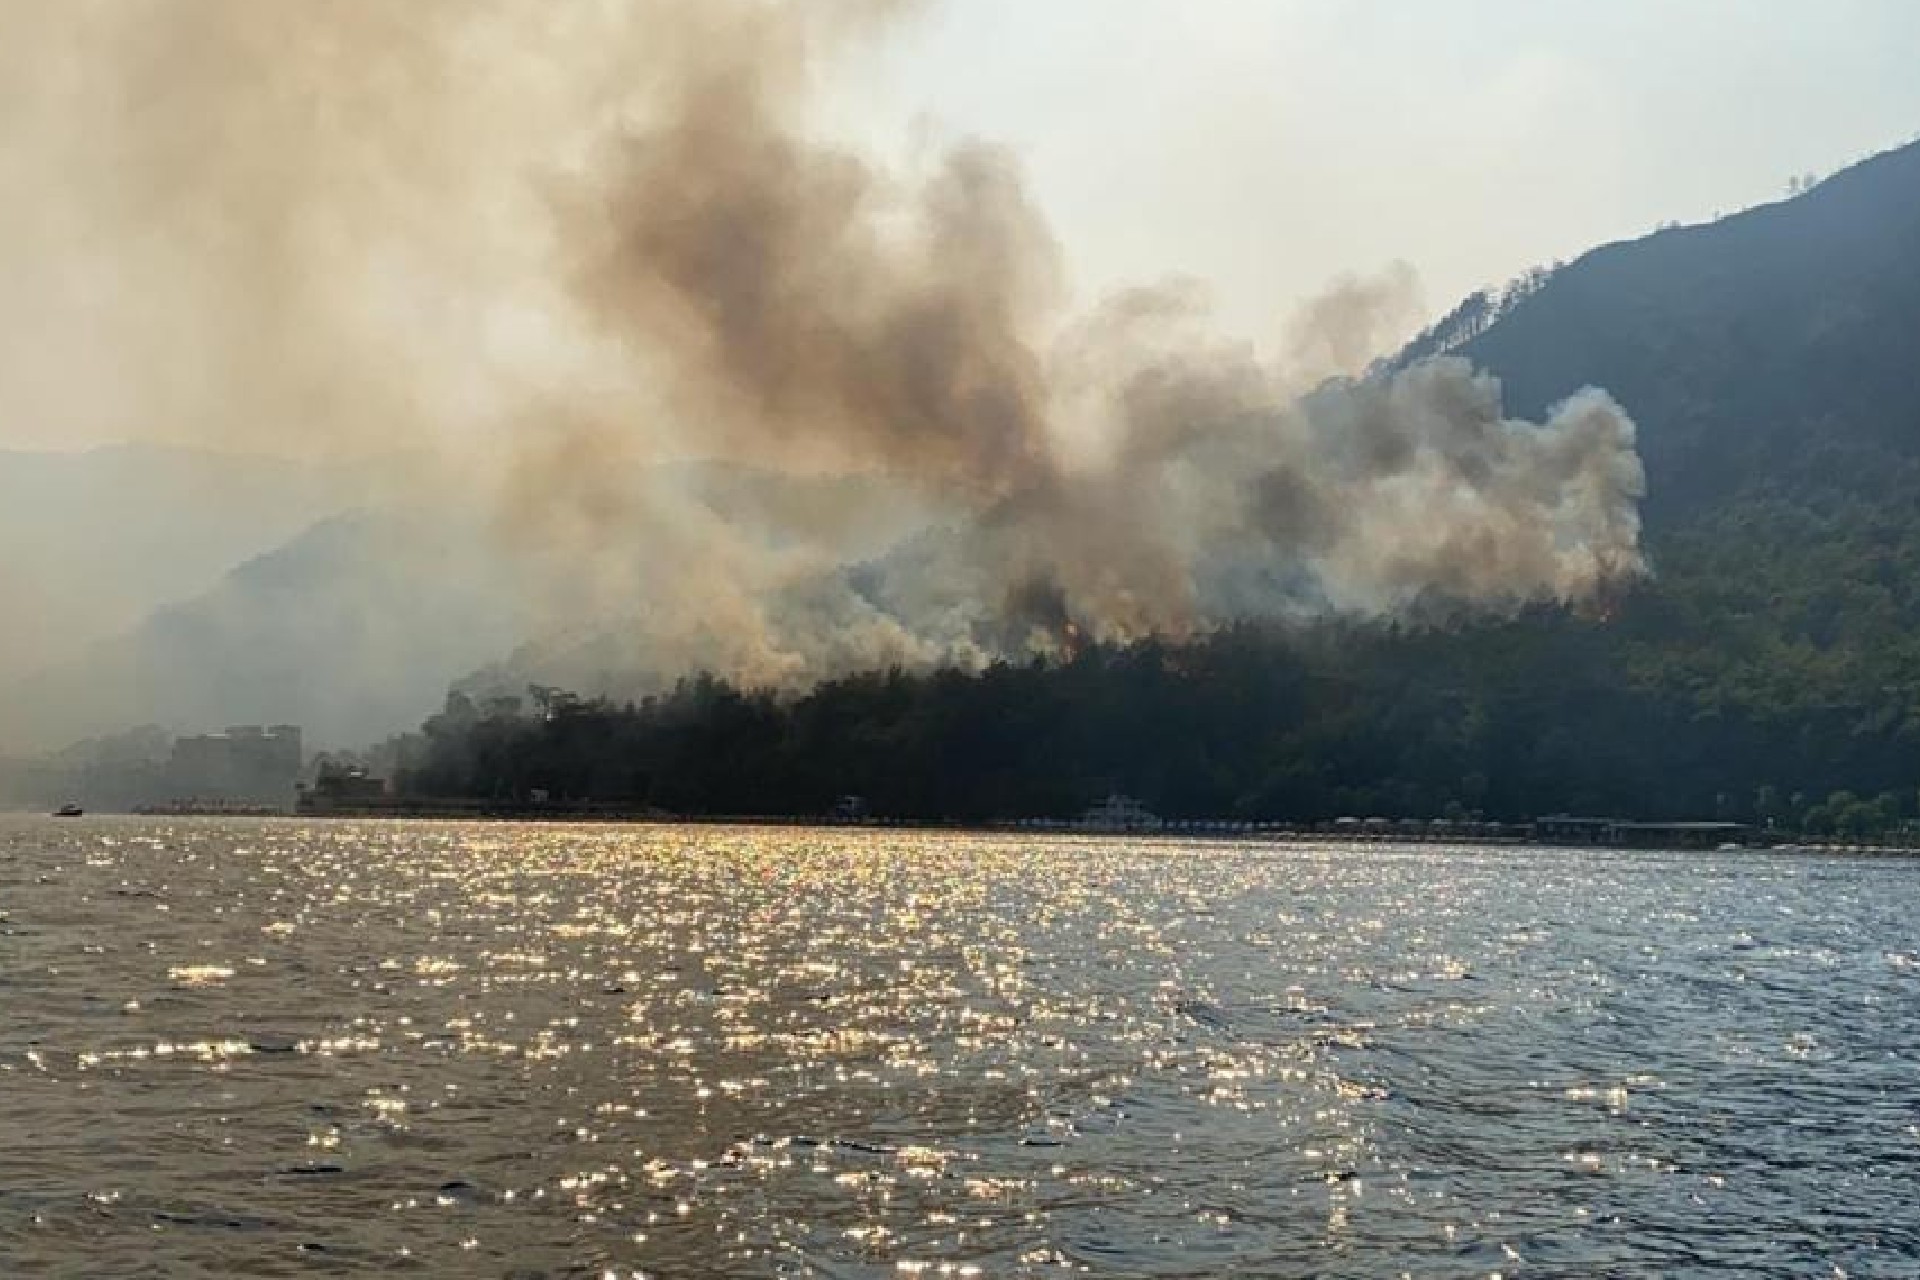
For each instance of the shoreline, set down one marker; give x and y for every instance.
(1487, 835)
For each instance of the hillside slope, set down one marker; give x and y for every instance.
(96, 540)
(1776, 345)
(355, 624)
(348, 628)
(1771, 362)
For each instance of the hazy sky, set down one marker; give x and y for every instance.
(1265, 145)
(1268, 146)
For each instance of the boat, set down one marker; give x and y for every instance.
(1119, 813)
(68, 811)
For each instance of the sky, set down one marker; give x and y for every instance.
(1267, 148)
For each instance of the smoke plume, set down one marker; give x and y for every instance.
(553, 249)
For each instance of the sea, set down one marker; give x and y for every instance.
(284, 1048)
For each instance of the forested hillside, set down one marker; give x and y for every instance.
(1769, 669)
(1777, 345)
(1773, 364)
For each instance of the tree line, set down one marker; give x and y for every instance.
(1544, 712)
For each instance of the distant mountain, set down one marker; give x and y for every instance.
(96, 540)
(354, 625)
(351, 629)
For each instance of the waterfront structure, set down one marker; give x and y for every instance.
(343, 786)
(1563, 828)
(250, 764)
(1119, 813)
(1621, 833)
(1680, 835)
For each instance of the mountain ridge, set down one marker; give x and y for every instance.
(1734, 342)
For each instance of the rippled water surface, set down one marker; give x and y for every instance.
(276, 1048)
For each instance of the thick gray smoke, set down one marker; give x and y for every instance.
(554, 247)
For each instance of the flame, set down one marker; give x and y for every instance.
(1608, 597)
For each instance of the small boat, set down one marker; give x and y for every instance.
(68, 811)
